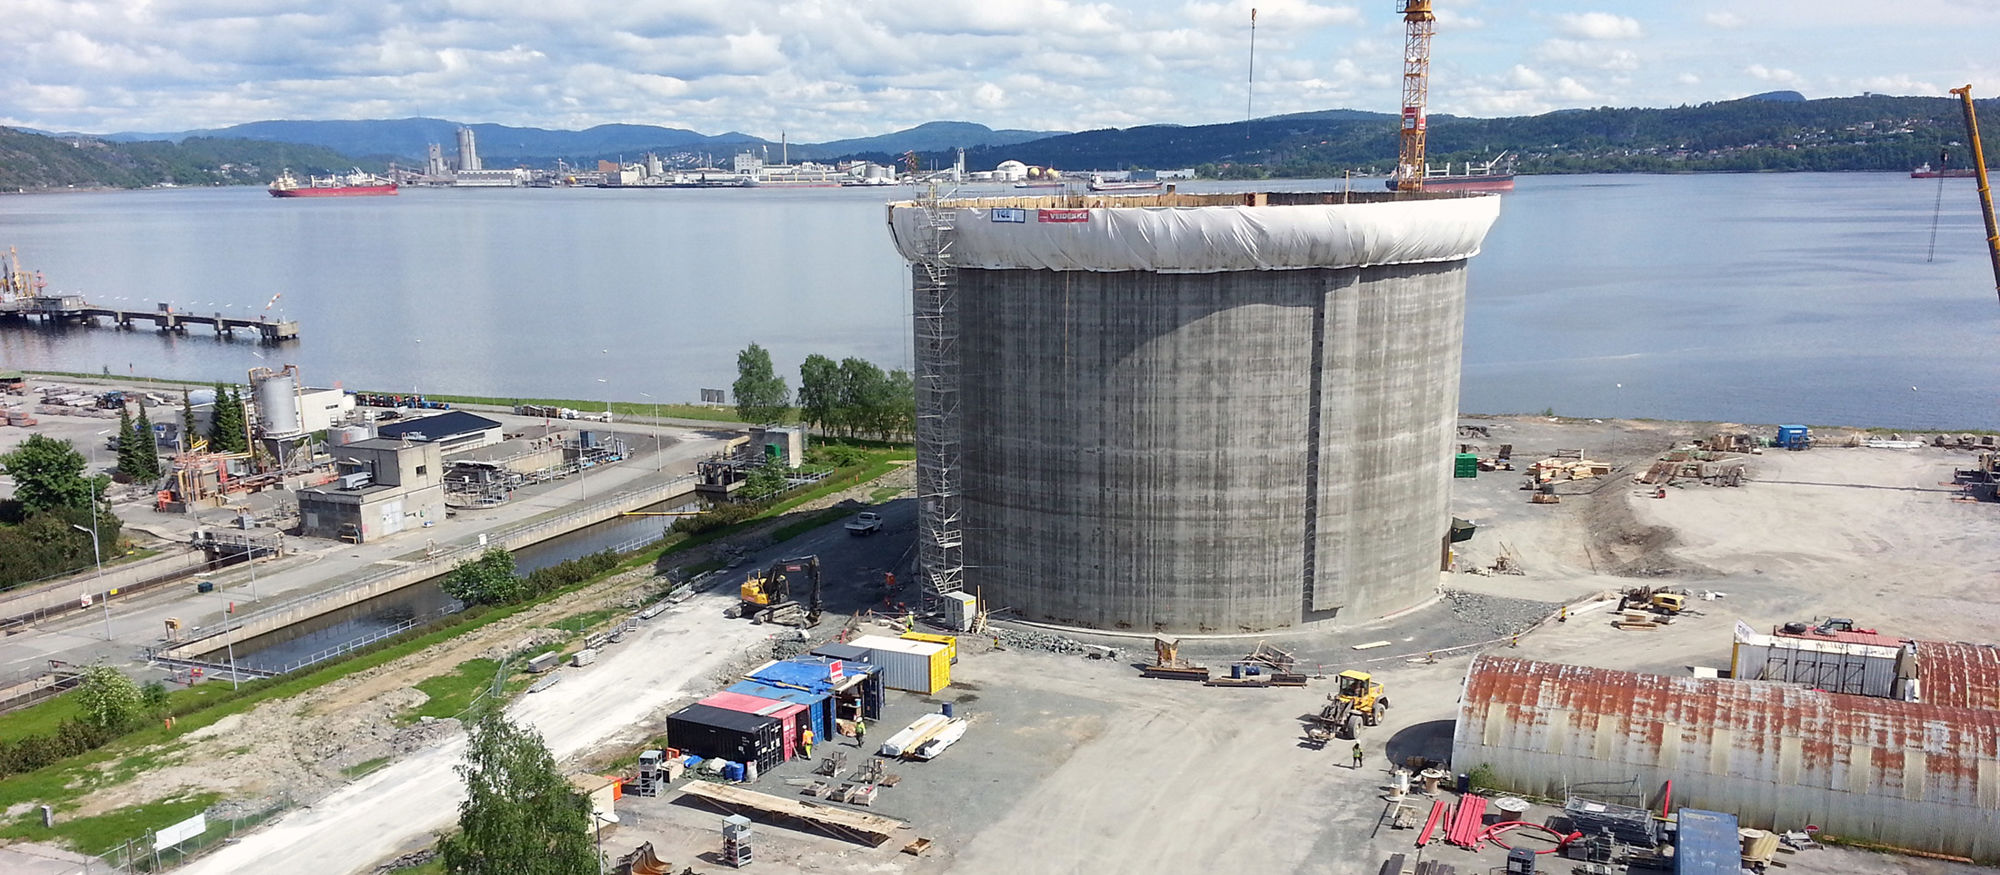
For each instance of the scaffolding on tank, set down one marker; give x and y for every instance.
(940, 526)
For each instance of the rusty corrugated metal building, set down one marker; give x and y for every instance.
(1959, 675)
(1911, 774)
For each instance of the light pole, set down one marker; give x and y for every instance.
(99, 554)
(96, 550)
(659, 463)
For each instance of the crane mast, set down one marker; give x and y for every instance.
(1418, 24)
(1985, 190)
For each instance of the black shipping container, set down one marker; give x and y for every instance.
(841, 651)
(736, 736)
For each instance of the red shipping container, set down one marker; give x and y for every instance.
(787, 714)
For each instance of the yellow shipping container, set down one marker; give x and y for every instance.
(950, 642)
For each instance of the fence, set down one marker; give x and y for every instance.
(139, 854)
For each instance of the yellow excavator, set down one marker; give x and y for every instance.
(1359, 700)
(767, 597)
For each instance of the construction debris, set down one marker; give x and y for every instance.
(1558, 467)
(1167, 662)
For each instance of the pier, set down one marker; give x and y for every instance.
(73, 309)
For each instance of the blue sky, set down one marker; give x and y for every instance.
(823, 69)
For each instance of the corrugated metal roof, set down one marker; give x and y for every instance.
(1916, 774)
(1960, 675)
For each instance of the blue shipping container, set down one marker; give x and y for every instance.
(1707, 843)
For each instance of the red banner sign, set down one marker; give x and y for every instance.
(1062, 215)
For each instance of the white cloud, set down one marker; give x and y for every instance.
(1270, 13)
(1452, 20)
(1591, 55)
(1599, 26)
(1898, 85)
(1778, 75)
(1723, 20)
(1688, 79)
(1522, 77)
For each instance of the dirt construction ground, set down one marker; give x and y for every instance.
(1079, 765)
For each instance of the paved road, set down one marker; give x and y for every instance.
(616, 700)
(140, 622)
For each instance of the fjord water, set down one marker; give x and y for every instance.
(1751, 298)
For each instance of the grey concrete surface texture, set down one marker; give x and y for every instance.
(1221, 451)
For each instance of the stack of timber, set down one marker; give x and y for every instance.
(913, 736)
(871, 829)
(1639, 620)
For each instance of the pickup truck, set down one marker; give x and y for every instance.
(866, 523)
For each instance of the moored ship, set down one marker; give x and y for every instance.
(1489, 176)
(1924, 171)
(354, 184)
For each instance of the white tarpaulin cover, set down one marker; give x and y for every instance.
(1207, 239)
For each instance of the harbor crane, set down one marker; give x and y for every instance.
(1985, 189)
(1418, 24)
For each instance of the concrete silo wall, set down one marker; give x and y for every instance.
(1211, 419)
(1139, 448)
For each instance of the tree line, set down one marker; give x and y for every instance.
(852, 397)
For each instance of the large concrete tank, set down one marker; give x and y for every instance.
(276, 394)
(1200, 413)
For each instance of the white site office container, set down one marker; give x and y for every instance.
(916, 666)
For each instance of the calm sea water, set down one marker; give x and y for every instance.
(1803, 297)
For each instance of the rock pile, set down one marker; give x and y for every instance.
(1047, 642)
(1496, 614)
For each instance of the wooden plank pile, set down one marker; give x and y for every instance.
(871, 829)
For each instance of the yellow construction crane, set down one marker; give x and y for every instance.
(1418, 24)
(1985, 191)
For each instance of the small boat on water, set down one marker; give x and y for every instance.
(1045, 186)
(1489, 176)
(353, 184)
(1925, 172)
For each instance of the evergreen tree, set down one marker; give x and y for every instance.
(239, 440)
(146, 448)
(128, 463)
(187, 419)
(218, 421)
(520, 816)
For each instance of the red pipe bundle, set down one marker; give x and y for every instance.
(1466, 822)
(1431, 823)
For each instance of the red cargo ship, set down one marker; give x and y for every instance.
(355, 184)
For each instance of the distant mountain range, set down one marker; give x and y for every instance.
(408, 140)
(1779, 130)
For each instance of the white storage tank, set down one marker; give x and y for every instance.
(276, 394)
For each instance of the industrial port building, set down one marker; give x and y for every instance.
(1175, 412)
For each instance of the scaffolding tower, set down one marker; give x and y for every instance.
(940, 524)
